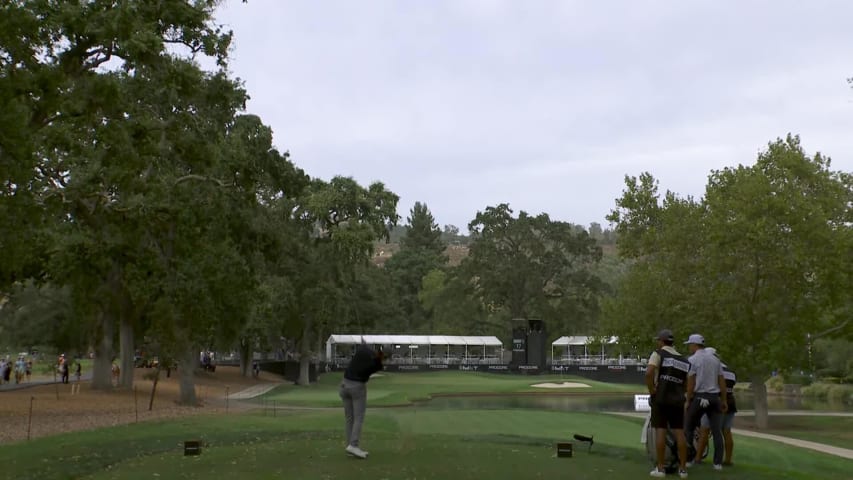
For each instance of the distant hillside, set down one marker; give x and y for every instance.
(383, 251)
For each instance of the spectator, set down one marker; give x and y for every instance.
(63, 368)
(20, 370)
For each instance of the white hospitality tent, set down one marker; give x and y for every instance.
(581, 340)
(413, 342)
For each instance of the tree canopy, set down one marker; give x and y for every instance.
(137, 192)
(532, 266)
(758, 264)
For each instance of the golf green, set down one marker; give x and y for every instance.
(392, 389)
(405, 443)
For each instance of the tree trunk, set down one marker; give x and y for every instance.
(102, 366)
(304, 370)
(245, 357)
(305, 355)
(759, 391)
(128, 351)
(154, 388)
(186, 373)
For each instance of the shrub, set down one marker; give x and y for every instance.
(834, 393)
(799, 379)
(743, 387)
(775, 384)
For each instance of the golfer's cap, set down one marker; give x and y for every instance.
(665, 335)
(695, 339)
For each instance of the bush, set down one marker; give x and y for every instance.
(743, 387)
(799, 379)
(816, 390)
(834, 393)
(775, 384)
(834, 357)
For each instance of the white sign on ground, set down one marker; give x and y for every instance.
(641, 403)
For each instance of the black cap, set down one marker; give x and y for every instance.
(665, 335)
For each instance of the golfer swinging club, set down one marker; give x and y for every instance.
(353, 392)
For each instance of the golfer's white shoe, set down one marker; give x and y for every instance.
(657, 473)
(682, 473)
(356, 452)
(717, 466)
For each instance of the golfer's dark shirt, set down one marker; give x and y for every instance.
(364, 363)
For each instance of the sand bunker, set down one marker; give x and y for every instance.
(561, 385)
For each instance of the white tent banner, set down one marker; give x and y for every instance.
(412, 341)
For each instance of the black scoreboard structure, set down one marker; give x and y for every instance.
(529, 341)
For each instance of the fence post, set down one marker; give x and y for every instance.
(135, 405)
(227, 395)
(30, 419)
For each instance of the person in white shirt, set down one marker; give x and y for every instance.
(706, 395)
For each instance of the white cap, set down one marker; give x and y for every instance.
(695, 339)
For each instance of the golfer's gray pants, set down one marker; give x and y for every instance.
(715, 417)
(354, 396)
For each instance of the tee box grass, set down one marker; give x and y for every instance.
(408, 442)
(404, 443)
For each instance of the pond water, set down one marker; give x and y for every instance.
(608, 403)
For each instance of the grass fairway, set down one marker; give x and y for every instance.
(837, 431)
(393, 389)
(405, 443)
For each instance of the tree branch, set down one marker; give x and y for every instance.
(831, 330)
(200, 178)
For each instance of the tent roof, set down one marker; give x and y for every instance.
(415, 340)
(580, 340)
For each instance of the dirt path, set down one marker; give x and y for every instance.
(819, 447)
(56, 410)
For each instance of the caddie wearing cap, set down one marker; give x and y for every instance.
(666, 376)
(706, 394)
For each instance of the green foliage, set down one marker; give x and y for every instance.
(834, 358)
(755, 265)
(131, 181)
(422, 233)
(775, 384)
(451, 307)
(533, 267)
(339, 223)
(42, 315)
(421, 251)
(837, 393)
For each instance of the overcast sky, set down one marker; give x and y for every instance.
(544, 105)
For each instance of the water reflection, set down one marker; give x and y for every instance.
(610, 403)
